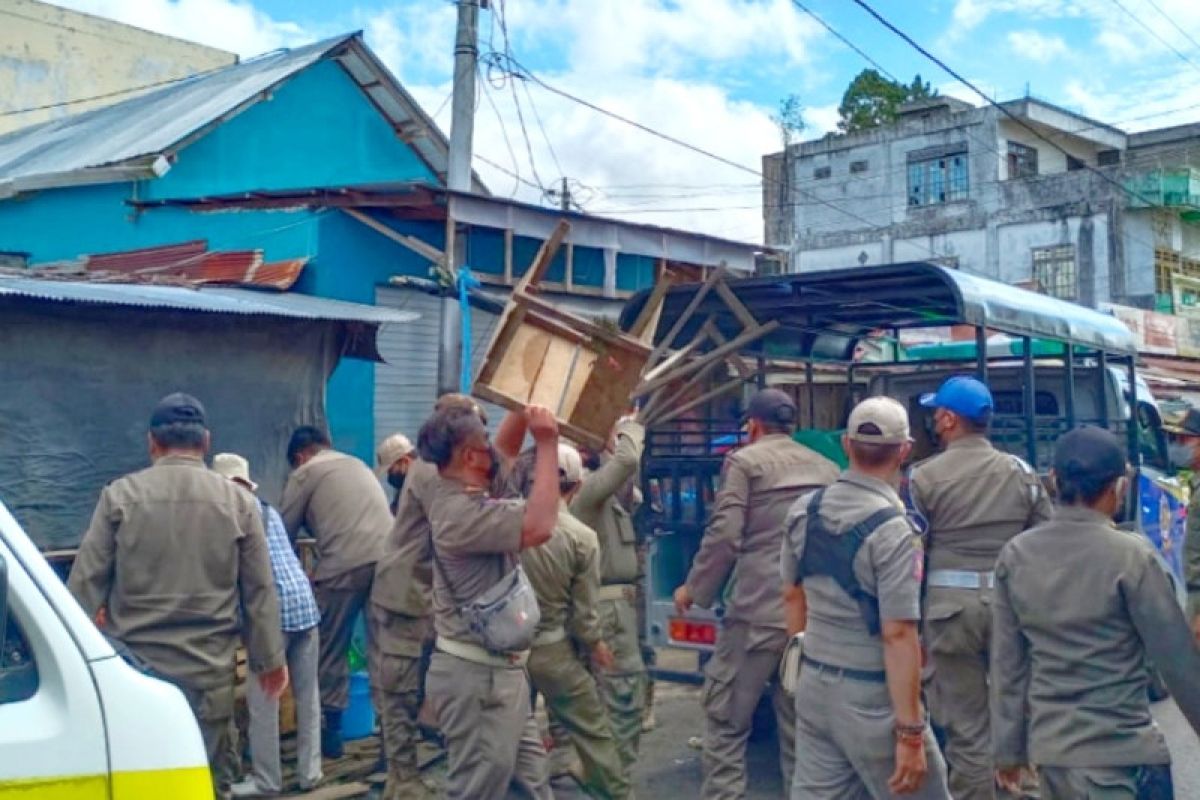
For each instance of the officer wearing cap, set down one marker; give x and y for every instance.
(975, 499)
(851, 566)
(565, 573)
(1185, 454)
(1079, 608)
(393, 457)
(759, 484)
(174, 565)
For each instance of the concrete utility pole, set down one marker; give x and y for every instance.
(565, 198)
(458, 178)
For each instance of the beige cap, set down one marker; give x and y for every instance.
(233, 466)
(391, 450)
(570, 464)
(878, 420)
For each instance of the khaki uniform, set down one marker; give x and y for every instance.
(337, 498)
(1191, 550)
(401, 624)
(480, 699)
(760, 482)
(172, 553)
(598, 506)
(566, 576)
(975, 499)
(845, 740)
(1079, 608)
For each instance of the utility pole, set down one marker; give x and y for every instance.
(565, 197)
(458, 178)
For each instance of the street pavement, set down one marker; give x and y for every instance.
(669, 767)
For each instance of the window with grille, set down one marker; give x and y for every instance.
(1054, 270)
(858, 166)
(822, 172)
(1022, 160)
(1167, 263)
(938, 180)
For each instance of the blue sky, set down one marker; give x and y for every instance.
(712, 72)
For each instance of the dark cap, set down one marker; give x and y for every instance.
(771, 406)
(1190, 424)
(1089, 452)
(177, 407)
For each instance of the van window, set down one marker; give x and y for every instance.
(18, 672)
(1045, 404)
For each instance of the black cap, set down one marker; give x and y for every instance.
(1089, 452)
(771, 406)
(177, 407)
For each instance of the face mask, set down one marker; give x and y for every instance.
(1181, 455)
(591, 461)
(396, 480)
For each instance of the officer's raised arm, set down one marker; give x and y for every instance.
(541, 511)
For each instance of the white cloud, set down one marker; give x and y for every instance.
(970, 14)
(821, 120)
(225, 24)
(1035, 46)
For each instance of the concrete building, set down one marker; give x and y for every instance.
(51, 56)
(1098, 216)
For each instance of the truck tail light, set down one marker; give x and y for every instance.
(693, 632)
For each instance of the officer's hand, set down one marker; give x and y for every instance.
(683, 599)
(274, 682)
(602, 656)
(910, 766)
(1010, 779)
(543, 427)
(101, 618)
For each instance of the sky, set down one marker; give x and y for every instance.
(712, 73)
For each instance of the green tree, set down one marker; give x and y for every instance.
(872, 100)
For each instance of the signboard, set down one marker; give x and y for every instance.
(1187, 336)
(1154, 332)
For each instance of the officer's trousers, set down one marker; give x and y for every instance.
(301, 648)
(339, 598)
(492, 738)
(398, 663)
(1147, 782)
(959, 630)
(214, 714)
(571, 696)
(623, 688)
(846, 742)
(745, 662)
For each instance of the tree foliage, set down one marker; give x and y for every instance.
(872, 100)
(790, 119)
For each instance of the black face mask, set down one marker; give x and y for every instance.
(591, 460)
(396, 480)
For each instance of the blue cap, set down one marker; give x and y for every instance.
(963, 395)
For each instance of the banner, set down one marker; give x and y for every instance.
(1154, 332)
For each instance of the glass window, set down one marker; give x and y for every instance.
(1022, 160)
(938, 180)
(822, 172)
(858, 166)
(1054, 270)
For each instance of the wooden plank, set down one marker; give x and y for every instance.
(696, 300)
(704, 398)
(551, 377)
(577, 381)
(411, 242)
(719, 353)
(609, 336)
(506, 329)
(666, 398)
(518, 370)
(715, 334)
(646, 324)
(545, 254)
(736, 306)
(557, 328)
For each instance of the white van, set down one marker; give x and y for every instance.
(76, 721)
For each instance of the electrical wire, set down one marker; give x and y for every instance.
(1154, 33)
(516, 173)
(1173, 23)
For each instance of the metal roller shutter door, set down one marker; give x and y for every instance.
(406, 384)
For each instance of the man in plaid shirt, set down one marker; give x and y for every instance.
(298, 610)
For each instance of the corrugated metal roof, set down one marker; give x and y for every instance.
(192, 260)
(208, 300)
(126, 140)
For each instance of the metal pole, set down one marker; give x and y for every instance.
(981, 353)
(1102, 387)
(812, 394)
(1069, 386)
(1135, 451)
(1030, 404)
(458, 179)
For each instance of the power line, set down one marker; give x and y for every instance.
(516, 173)
(1154, 33)
(844, 40)
(1174, 24)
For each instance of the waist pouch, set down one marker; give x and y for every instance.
(505, 616)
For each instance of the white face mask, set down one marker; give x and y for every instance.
(1182, 455)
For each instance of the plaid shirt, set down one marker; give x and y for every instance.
(297, 605)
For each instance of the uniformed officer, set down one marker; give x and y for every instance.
(1185, 454)
(851, 567)
(598, 506)
(974, 498)
(479, 697)
(1079, 608)
(392, 459)
(565, 573)
(174, 554)
(760, 482)
(338, 499)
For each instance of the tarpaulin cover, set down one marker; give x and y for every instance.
(80, 382)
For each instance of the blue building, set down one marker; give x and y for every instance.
(317, 155)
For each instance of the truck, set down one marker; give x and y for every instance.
(75, 719)
(838, 336)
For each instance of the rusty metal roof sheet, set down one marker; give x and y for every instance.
(193, 261)
(206, 299)
(136, 138)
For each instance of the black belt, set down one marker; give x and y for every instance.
(867, 675)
